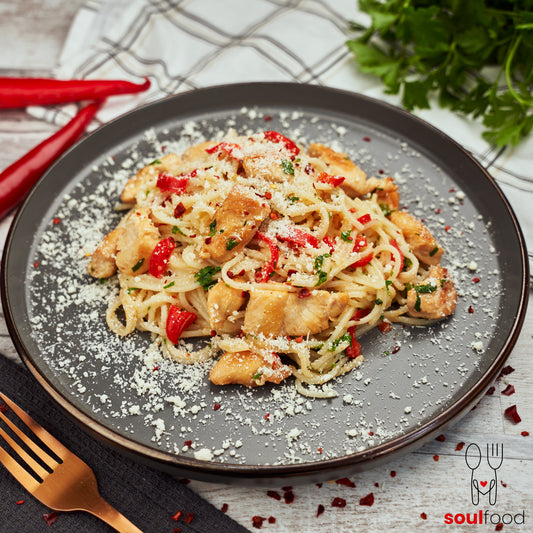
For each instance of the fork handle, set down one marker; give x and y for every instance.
(106, 512)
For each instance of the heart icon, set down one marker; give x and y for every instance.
(483, 483)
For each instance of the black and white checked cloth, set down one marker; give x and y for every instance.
(185, 44)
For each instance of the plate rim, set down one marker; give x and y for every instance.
(214, 471)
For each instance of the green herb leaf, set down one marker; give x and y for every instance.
(138, 265)
(205, 276)
(213, 228)
(345, 236)
(231, 243)
(156, 162)
(168, 285)
(287, 166)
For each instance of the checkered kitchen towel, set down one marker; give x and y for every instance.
(186, 44)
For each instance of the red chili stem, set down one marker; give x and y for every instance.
(22, 92)
(17, 179)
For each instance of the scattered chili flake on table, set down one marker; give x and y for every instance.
(56, 220)
(267, 118)
(447, 228)
(288, 496)
(525, 433)
(506, 370)
(346, 482)
(188, 517)
(393, 473)
(367, 139)
(216, 406)
(338, 502)
(435, 457)
(188, 443)
(50, 518)
(224, 508)
(441, 438)
(177, 516)
(470, 309)
(274, 494)
(459, 446)
(476, 280)
(367, 500)
(257, 521)
(490, 391)
(512, 413)
(320, 510)
(504, 485)
(499, 526)
(423, 516)
(271, 520)
(508, 390)
(20, 502)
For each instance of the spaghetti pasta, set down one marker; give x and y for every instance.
(280, 255)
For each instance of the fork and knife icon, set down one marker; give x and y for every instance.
(494, 458)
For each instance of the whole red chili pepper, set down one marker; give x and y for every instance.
(276, 137)
(299, 237)
(270, 265)
(177, 322)
(22, 92)
(17, 179)
(160, 256)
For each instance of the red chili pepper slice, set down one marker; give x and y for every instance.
(276, 137)
(177, 322)
(299, 237)
(22, 92)
(364, 219)
(160, 256)
(361, 313)
(180, 210)
(175, 184)
(363, 261)
(354, 350)
(323, 177)
(395, 244)
(229, 148)
(330, 241)
(17, 179)
(359, 243)
(270, 265)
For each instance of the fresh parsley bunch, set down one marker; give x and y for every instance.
(476, 56)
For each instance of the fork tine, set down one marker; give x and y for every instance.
(19, 473)
(50, 441)
(28, 459)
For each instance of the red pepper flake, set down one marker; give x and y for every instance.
(177, 516)
(393, 473)
(512, 413)
(371, 433)
(367, 500)
(476, 280)
(346, 482)
(525, 433)
(20, 502)
(507, 370)
(267, 118)
(155, 368)
(299, 339)
(320, 510)
(470, 309)
(267, 416)
(304, 293)
(503, 484)
(367, 139)
(56, 220)
(208, 240)
(447, 228)
(213, 333)
(274, 216)
(257, 521)
(320, 452)
(288, 496)
(508, 390)
(216, 407)
(274, 494)
(36, 264)
(499, 526)
(271, 520)
(188, 517)
(185, 481)
(436, 457)
(490, 392)
(423, 516)
(441, 438)
(50, 518)
(231, 275)
(437, 211)
(460, 446)
(180, 210)
(338, 502)
(188, 443)
(268, 195)
(376, 484)
(384, 326)
(396, 349)
(224, 508)
(3, 408)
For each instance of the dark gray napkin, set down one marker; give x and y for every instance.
(147, 497)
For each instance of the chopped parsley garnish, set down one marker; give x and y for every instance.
(168, 285)
(319, 261)
(434, 251)
(287, 166)
(231, 243)
(156, 162)
(213, 228)
(345, 338)
(102, 281)
(293, 199)
(423, 289)
(131, 289)
(386, 209)
(138, 265)
(407, 264)
(378, 301)
(322, 276)
(345, 236)
(175, 230)
(388, 283)
(205, 276)
(257, 376)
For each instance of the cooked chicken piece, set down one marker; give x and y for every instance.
(222, 303)
(169, 163)
(136, 242)
(236, 222)
(198, 151)
(242, 367)
(387, 193)
(265, 167)
(419, 238)
(434, 298)
(281, 313)
(103, 263)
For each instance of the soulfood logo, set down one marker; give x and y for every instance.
(483, 486)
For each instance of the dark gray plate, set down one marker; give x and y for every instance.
(414, 381)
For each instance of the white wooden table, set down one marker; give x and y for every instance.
(415, 493)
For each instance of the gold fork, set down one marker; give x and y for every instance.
(66, 485)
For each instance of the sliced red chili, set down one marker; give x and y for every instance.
(395, 244)
(177, 322)
(276, 137)
(228, 148)
(512, 413)
(271, 264)
(160, 256)
(354, 350)
(363, 261)
(298, 237)
(323, 177)
(174, 184)
(330, 241)
(364, 219)
(367, 500)
(360, 242)
(338, 502)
